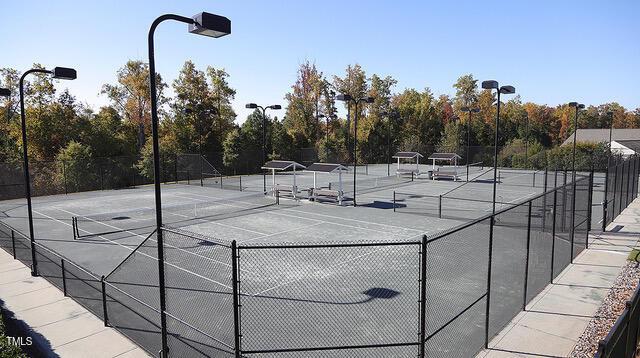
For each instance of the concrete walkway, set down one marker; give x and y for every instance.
(556, 318)
(58, 324)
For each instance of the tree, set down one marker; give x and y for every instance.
(77, 169)
(130, 96)
(282, 142)
(301, 117)
(466, 92)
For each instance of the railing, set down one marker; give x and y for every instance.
(622, 340)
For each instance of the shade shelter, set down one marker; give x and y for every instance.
(280, 166)
(408, 156)
(451, 158)
(316, 192)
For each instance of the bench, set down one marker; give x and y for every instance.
(334, 195)
(445, 174)
(289, 189)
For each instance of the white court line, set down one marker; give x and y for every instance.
(142, 236)
(130, 249)
(324, 215)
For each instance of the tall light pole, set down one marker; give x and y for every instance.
(62, 73)
(264, 136)
(490, 85)
(349, 99)
(470, 111)
(610, 115)
(578, 107)
(327, 118)
(205, 24)
(526, 141)
(388, 114)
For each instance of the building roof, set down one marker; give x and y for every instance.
(282, 165)
(407, 155)
(631, 144)
(602, 135)
(444, 156)
(326, 168)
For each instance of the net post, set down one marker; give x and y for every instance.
(236, 304)
(440, 206)
(423, 295)
(411, 176)
(104, 302)
(534, 179)
(64, 278)
(201, 174)
(175, 168)
(188, 179)
(221, 176)
(240, 182)
(526, 267)
(277, 196)
(101, 177)
(13, 243)
(488, 307)
(394, 201)
(553, 230)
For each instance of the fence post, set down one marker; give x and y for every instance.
(488, 308)
(534, 179)
(101, 177)
(236, 304)
(13, 243)
(573, 215)
(630, 176)
(423, 296)
(605, 200)
(615, 189)
(526, 266)
(590, 206)
(64, 278)
(553, 230)
(440, 206)
(104, 302)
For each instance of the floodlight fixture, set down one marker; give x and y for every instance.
(368, 99)
(275, 106)
(344, 97)
(5, 92)
(490, 84)
(507, 90)
(210, 25)
(251, 106)
(64, 73)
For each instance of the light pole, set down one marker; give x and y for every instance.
(578, 107)
(326, 140)
(388, 115)
(610, 114)
(491, 84)
(349, 99)
(264, 136)
(526, 141)
(205, 24)
(62, 73)
(470, 111)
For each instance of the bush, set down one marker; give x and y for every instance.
(8, 350)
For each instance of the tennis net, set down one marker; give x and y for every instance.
(142, 220)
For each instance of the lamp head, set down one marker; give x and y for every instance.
(344, 97)
(573, 104)
(490, 84)
(369, 99)
(581, 106)
(63, 73)
(251, 106)
(275, 106)
(507, 90)
(211, 25)
(5, 92)
(475, 110)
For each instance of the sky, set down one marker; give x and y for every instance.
(553, 52)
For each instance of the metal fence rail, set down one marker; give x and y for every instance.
(622, 340)
(445, 295)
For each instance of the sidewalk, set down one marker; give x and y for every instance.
(58, 324)
(555, 319)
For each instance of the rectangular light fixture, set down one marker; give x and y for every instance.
(211, 25)
(5, 92)
(63, 73)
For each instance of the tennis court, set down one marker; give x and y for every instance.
(308, 273)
